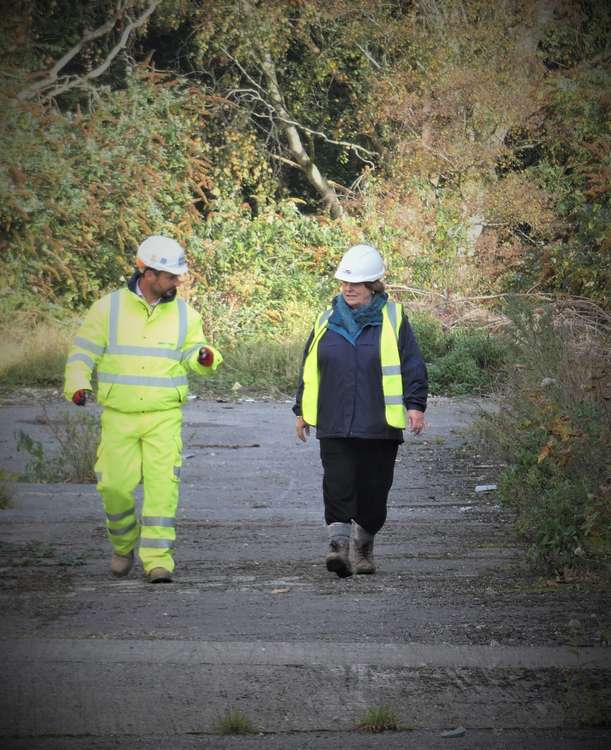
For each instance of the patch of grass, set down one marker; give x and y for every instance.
(36, 355)
(259, 366)
(378, 719)
(438, 440)
(234, 722)
(34, 553)
(7, 488)
(76, 436)
(583, 698)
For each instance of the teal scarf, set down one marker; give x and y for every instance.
(349, 322)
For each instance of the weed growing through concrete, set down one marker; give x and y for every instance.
(7, 487)
(235, 722)
(378, 719)
(34, 553)
(76, 437)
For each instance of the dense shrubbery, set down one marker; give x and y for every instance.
(460, 361)
(79, 190)
(552, 431)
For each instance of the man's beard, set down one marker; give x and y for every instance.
(169, 296)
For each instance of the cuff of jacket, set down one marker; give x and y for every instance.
(81, 385)
(417, 407)
(207, 369)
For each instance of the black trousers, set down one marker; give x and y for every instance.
(357, 478)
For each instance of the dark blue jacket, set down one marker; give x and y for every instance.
(350, 397)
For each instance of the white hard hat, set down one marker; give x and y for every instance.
(360, 263)
(162, 254)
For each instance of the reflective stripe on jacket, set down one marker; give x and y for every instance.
(142, 355)
(392, 383)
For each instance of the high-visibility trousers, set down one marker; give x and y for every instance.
(147, 447)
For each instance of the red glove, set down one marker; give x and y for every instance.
(79, 397)
(206, 356)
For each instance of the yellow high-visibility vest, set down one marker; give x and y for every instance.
(142, 356)
(392, 383)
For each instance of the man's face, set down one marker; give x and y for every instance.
(164, 284)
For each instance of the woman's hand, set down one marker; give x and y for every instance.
(416, 421)
(302, 429)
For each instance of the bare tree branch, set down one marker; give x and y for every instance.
(250, 95)
(346, 144)
(373, 61)
(336, 185)
(88, 36)
(307, 166)
(286, 125)
(71, 82)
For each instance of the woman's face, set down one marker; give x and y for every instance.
(356, 295)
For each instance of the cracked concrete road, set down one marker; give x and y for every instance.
(453, 631)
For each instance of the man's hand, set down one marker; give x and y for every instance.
(302, 429)
(80, 397)
(206, 356)
(416, 421)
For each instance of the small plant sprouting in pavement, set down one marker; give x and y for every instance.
(32, 554)
(75, 437)
(235, 722)
(378, 719)
(7, 482)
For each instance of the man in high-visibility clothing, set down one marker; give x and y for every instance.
(142, 340)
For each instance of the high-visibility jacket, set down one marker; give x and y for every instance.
(392, 382)
(141, 354)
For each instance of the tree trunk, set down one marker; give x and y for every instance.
(295, 145)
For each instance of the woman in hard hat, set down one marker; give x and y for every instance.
(362, 369)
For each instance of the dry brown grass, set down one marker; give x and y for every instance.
(34, 353)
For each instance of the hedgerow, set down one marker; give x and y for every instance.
(552, 433)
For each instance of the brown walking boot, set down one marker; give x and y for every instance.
(160, 575)
(363, 558)
(120, 565)
(338, 558)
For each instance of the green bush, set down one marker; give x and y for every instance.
(462, 361)
(552, 433)
(429, 334)
(79, 190)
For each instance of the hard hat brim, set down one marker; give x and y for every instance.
(355, 279)
(174, 270)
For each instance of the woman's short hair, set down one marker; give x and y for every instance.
(377, 287)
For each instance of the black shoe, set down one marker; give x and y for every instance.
(338, 558)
